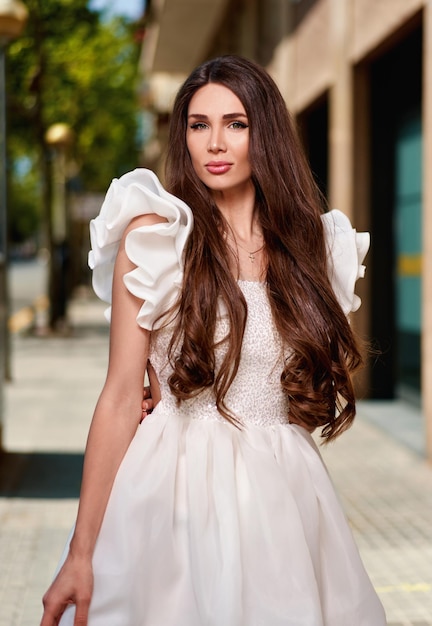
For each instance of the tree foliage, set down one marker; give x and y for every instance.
(70, 66)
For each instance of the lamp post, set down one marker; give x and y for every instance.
(59, 137)
(13, 16)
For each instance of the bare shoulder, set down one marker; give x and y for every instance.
(148, 219)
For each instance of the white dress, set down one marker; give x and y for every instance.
(208, 524)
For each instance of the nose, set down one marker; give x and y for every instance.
(216, 142)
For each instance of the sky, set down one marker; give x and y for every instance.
(130, 8)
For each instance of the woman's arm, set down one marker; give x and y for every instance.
(115, 420)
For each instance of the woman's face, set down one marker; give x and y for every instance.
(218, 139)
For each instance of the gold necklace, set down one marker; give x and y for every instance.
(251, 255)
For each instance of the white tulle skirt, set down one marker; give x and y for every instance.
(208, 525)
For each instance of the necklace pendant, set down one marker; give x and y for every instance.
(251, 257)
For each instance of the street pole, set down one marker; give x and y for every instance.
(59, 137)
(3, 242)
(13, 16)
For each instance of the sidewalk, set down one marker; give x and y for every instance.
(385, 486)
(49, 404)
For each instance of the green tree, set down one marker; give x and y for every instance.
(69, 66)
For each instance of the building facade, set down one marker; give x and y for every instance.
(357, 76)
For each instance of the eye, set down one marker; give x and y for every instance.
(198, 126)
(238, 125)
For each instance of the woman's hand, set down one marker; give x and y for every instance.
(147, 403)
(72, 585)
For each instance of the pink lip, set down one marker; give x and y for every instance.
(218, 167)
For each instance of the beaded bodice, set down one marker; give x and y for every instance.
(255, 396)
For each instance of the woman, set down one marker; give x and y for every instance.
(215, 510)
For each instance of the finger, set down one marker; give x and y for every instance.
(146, 392)
(81, 612)
(48, 620)
(146, 412)
(53, 612)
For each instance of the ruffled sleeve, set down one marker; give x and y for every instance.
(346, 252)
(156, 250)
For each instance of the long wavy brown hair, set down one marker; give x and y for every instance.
(322, 349)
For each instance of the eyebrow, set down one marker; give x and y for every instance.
(227, 116)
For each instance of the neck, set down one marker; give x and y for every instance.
(238, 209)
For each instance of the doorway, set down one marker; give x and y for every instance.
(396, 219)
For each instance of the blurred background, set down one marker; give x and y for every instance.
(86, 90)
(87, 94)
